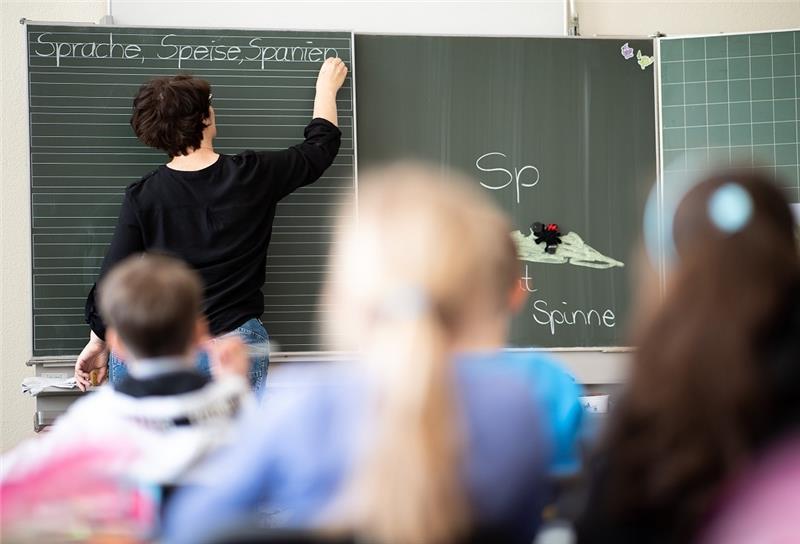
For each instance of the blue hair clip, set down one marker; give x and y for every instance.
(730, 207)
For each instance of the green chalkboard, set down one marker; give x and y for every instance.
(81, 82)
(733, 99)
(556, 130)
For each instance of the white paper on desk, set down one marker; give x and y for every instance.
(36, 384)
(595, 404)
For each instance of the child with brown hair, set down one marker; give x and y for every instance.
(164, 416)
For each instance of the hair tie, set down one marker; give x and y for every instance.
(730, 207)
(406, 302)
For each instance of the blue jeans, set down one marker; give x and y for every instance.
(252, 333)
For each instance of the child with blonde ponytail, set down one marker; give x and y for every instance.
(435, 436)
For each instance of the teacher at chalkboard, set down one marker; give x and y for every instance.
(214, 211)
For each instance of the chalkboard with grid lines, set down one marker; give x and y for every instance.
(732, 98)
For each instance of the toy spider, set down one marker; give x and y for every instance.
(549, 234)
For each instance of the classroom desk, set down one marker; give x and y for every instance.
(52, 401)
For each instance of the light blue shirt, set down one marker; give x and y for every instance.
(521, 416)
(559, 397)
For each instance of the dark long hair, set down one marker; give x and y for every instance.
(717, 372)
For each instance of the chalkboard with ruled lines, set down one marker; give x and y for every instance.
(82, 80)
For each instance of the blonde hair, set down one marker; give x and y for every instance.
(426, 257)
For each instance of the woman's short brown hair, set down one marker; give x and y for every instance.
(153, 303)
(169, 113)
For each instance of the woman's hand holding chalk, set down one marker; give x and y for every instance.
(331, 75)
(329, 81)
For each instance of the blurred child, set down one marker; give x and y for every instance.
(436, 434)
(165, 416)
(762, 505)
(716, 378)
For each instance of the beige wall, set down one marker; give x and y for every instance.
(16, 410)
(602, 17)
(672, 17)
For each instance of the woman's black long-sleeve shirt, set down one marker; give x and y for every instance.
(218, 220)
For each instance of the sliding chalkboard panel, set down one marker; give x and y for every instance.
(733, 99)
(555, 130)
(83, 153)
